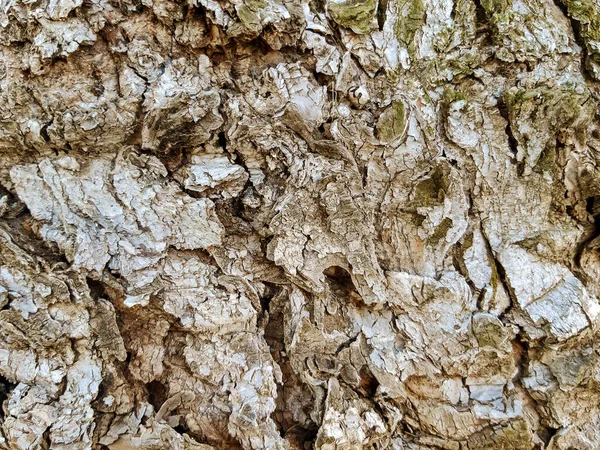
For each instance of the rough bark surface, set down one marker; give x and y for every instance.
(294, 224)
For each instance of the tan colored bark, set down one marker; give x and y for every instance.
(279, 224)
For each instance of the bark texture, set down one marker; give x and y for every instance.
(295, 224)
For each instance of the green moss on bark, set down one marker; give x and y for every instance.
(392, 122)
(358, 15)
(410, 19)
(441, 231)
(432, 190)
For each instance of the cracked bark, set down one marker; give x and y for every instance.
(267, 224)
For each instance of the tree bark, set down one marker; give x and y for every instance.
(282, 224)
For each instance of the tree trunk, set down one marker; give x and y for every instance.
(279, 224)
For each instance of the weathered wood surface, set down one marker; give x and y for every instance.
(282, 224)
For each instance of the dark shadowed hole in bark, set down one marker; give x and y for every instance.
(340, 278)
(481, 15)
(576, 26)
(546, 434)
(265, 303)
(45, 439)
(368, 382)
(301, 438)
(341, 285)
(222, 140)
(21, 226)
(181, 429)
(5, 388)
(44, 131)
(300, 433)
(512, 140)
(157, 394)
(593, 209)
(96, 288)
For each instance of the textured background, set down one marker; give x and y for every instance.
(282, 224)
